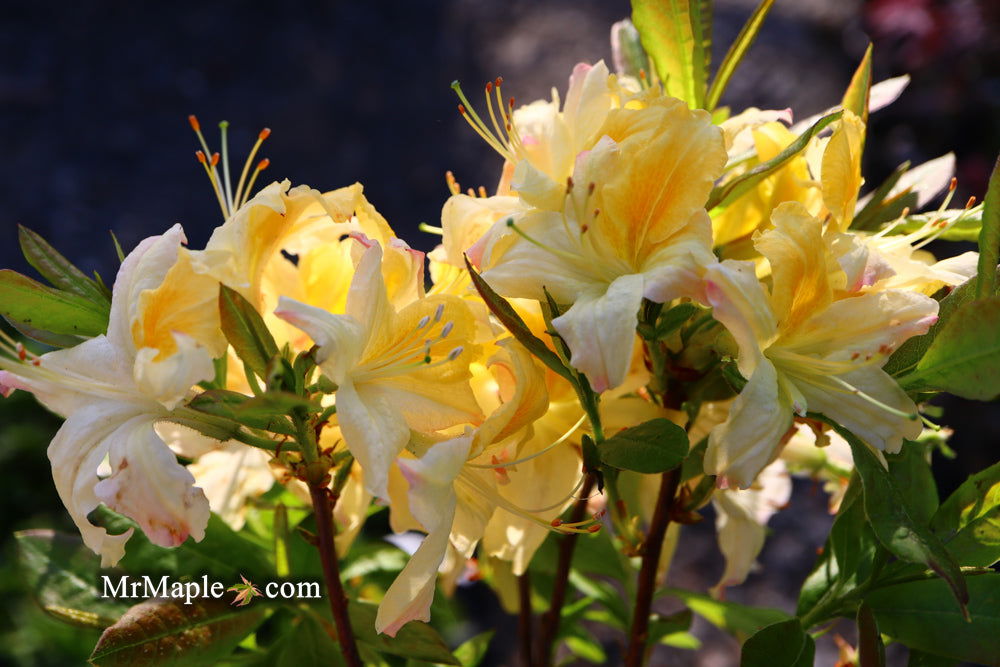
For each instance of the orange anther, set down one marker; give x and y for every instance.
(593, 529)
(499, 81)
(264, 134)
(489, 87)
(215, 159)
(195, 125)
(461, 109)
(556, 523)
(200, 155)
(262, 165)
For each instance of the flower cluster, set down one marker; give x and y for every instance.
(643, 264)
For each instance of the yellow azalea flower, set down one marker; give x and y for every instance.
(792, 182)
(113, 389)
(394, 370)
(801, 349)
(840, 174)
(631, 226)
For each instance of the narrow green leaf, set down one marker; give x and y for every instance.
(736, 52)
(262, 412)
(893, 521)
(62, 575)
(415, 640)
(169, 632)
(783, 644)
(736, 619)
(857, 93)
(508, 317)
(45, 337)
(652, 447)
(671, 34)
(919, 615)
(964, 358)
(989, 237)
(725, 193)
(245, 330)
(880, 204)
(871, 650)
(118, 246)
(28, 302)
(57, 269)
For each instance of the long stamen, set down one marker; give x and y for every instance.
(874, 401)
(476, 123)
(224, 131)
(211, 179)
(430, 229)
(261, 166)
(555, 251)
(509, 464)
(240, 197)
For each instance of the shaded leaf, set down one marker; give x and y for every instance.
(169, 632)
(626, 50)
(246, 331)
(737, 619)
(893, 522)
(919, 614)
(989, 237)
(63, 576)
(57, 269)
(472, 651)
(655, 446)
(783, 644)
(415, 640)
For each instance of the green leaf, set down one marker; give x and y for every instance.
(652, 447)
(57, 269)
(504, 312)
(964, 358)
(881, 204)
(783, 644)
(63, 576)
(673, 319)
(28, 302)
(871, 650)
(663, 626)
(46, 337)
(921, 659)
(727, 192)
(213, 555)
(472, 651)
(969, 520)
(245, 330)
(736, 52)
(169, 632)
(263, 412)
(989, 237)
(912, 471)
(585, 647)
(415, 640)
(893, 521)
(913, 350)
(672, 34)
(919, 614)
(736, 619)
(856, 96)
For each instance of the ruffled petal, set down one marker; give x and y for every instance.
(432, 502)
(168, 380)
(340, 337)
(749, 439)
(677, 268)
(149, 486)
(739, 301)
(600, 331)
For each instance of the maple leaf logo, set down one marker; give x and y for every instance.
(245, 592)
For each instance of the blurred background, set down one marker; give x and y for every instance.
(93, 104)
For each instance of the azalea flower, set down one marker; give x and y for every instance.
(114, 389)
(632, 226)
(394, 370)
(803, 349)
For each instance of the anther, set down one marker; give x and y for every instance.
(22, 353)
(423, 321)
(971, 202)
(499, 81)
(446, 330)
(593, 529)
(556, 523)
(953, 184)
(461, 109)
(263, 164)
(215, 159)
(201, 156)
(489, 87)
(264, 134)
(195, 125)
(438, 313)
(456, 353)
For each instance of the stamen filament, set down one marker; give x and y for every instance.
(508, 464)
(224, 131)
(240, 197)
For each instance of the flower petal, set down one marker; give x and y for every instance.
(149, 485)
(749, 439)
(339, 337)
(739, 301)
(374, 431)
(600, 331)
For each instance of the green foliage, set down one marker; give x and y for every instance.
(964, 357)
(169, 632)
(59, 271)
(737, 619)
(655, 446)
(989, 238)
(737, 50)
(414, 640)
(27, 303)
(674, 35)
(472, 651)
(246, 331)
(969, 520)
(920, 615)
(892, 520)
(783, 644)
(858, 91)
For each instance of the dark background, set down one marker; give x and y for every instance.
(94, 98)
